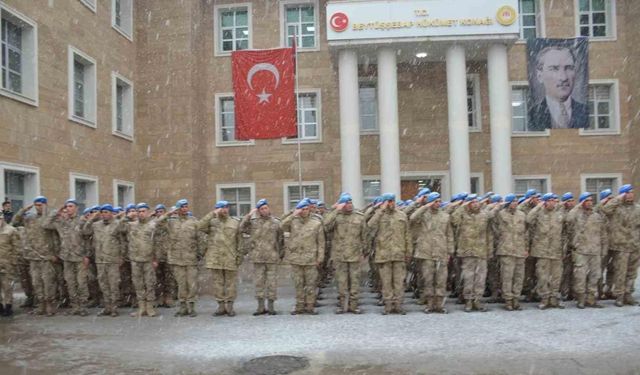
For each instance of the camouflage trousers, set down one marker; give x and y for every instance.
(6, 288)
(474, 275)
(166, 288)
(62, 292)
(625, 271)
(25, 278)
(187, 279)
(225, 285)
(109, 280)
(392, 275)
(127, 291)
(512, 271)
(144, 281)
(493, 276)
(530, 281)
(549, 274)
(75, 275)
(566, 285)
(92, 283)
(348, 278)
(305, 279)
(43, 278)
(434, 274)
(586, 273)
(266, 280)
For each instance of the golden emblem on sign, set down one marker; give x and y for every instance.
(506, 15)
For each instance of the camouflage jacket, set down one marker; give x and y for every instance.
(140, 235)
(304, 240)
(72, 245)
(349, 235)
(623, 225)
(9, 249)
(392, 240)
(510, 232)
(433, 234)
(223, 252)
(548, 234)
(185, 240)
(107, 240)
(587, 232)
(37, 238)
(266, 242)
(475, 237)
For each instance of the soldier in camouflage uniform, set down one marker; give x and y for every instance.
(415, 280)
(568, 203)
(531, 199)
(493, 265)
(455, 264)
(9, 254)
(548, 241)
(165, 283)
(374, 275)
(474, 242)
(588, 236)
(349, 237)
(40, 253)
(304, 251)
(127, 289)
(393, 251)
(23, 274)
(266, 250)
(223, 255)
(95, 295)
(624, 225)
(433, 235)
(510, 248)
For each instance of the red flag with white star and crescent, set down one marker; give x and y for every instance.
(264, 95)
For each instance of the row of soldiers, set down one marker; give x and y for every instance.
(464, 235)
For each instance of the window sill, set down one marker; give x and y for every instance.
(19, 98)
(83, 121)
(286, 141)
(475, 130)
(370, 132)
(545, 133)
(590, 133)
(236, 143)
(602, 39)
(123, 32)
(126, 136)
(92, 7)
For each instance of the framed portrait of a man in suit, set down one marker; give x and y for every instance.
(558, 71)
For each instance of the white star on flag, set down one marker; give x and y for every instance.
(264, 97)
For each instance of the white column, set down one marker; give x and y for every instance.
(500, 110)
(350, 125)
(388, 121)
(458, 120)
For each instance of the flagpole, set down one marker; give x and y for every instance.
(295, 50)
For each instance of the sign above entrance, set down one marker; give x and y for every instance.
(357, 20)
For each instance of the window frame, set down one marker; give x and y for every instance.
(217, 26)
(218, 123)
(585, 176)
(21, 168)
(475, 78)
(91, 4)
(285, 191)
(123, 30)
(318, 138)
(370, 81)
(614, 92)
(612, 25)
(480, 177)
(31, 97)
(90, 122)
(239, 185)
(541, 31)
(544, 133)
(283, 21)
(546, 177)
(117, 183)
(74, 177)
(370, 178)
(115, 77)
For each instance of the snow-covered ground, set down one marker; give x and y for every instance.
(590, 341)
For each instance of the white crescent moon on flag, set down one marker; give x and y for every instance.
(260, 67)
(333, 22)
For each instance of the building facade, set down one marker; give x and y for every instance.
(122, 100)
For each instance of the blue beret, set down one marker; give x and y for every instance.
(433, 196)
(321, 203)
(118, 209)
(400, 203)
(605, 193)
(423, 192)
(181, 203)
(107, 207)
(345, 198)
(129, 207)
(530, 193)
(627, 188)
(302, 204)
(548, 196)
(471, 197)
(72, 201)
(40, 199)
(486, 196)
(496, 198)
(160, 207)
(189, 213)
(444, 204)
(142, 205)
(584, 196)
(567, 196)
(509, 198)
(388, 197)
(312, 201)
(408, 202)
(377, 200)
(521, 200)
(86, 211)
(261, 202)
(222, 204)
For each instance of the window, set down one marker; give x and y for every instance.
(18, 47)
(123, 193)
(524, 183)
(596, 183)
(20, 183)
(300, 21)
(530, 19)
(240, 197)
(604, 108)
(370, 189)
(91, 4)
(476, 185)
(596, 18)
(473, 102)
(225, 122)
(84, 189)
(233, 31)
(122, 17)
(122, 106)
(309, 129)
(82, 88)
(292, 196)
(368, 107)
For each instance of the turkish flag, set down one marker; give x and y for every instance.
(263, 86)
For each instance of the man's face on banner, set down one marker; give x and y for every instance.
(557, 73)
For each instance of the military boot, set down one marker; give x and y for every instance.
(299, 309)
(516, 304)
(8, 310)
(271, 307)
(544, 303)
(311, 309)
(398, 309)
(619, 301)
(554, 302)
(341, 306)
(105, 311)
(140, 312)
(229, 309)
(508, 304)
(191, 310)
(628, 300)
(221, 310)
(114, 311)
(429, 305)
(388, 308)
(260, 310)
(28, 303)
(353, 307)
(41, 309)
(182, 310)
(592, 302)
(479, 306)
(50, 308)
(151, 312)
(580, 299)
(468, 306)
(438, 305)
